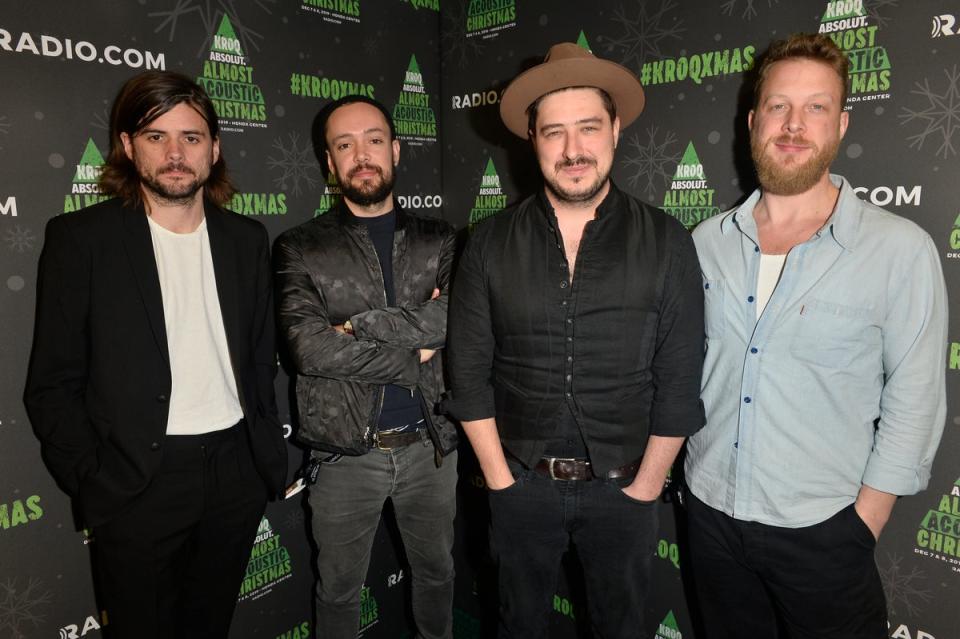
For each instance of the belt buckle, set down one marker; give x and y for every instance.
(378, 444)
(552, 463)
(550, 468)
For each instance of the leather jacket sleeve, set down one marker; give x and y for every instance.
(316, 347)
(421, 325)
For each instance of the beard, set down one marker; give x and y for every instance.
(584, 190)
(179, 192)
(370, 191)
(794, 178)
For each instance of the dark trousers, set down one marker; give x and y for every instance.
(347, 501)
(533, 523)
(170, 566)
(816, 582)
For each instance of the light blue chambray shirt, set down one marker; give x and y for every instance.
(855, 330)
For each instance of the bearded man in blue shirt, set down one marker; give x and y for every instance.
(824, 375)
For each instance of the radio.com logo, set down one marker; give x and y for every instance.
(475, 99)
(420, 201)
(9, 206)
(891, 195)
(944, 26)
(91, 623)
(54, 47)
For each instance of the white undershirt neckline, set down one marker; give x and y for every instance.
(203, 394)
(771, 266)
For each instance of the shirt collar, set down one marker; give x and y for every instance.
(843, 224)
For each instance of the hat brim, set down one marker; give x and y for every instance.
(622, 86)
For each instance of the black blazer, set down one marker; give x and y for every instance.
(99, 382)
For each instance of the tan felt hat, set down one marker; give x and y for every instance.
(570, 65)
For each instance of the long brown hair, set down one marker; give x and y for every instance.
(143, 99)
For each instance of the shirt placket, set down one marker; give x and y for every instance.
(757, 336)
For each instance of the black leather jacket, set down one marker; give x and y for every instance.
(327, 272)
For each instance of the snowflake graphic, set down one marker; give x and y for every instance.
(294, 520)
(209, 13)
(297, 165)
(371, 46)
(874, 7)
(903, 588)
(101, 120)
(644, 33)
(454, 43)
(749, 8)
(19, 239)
(19, 606)
(940, 117)
(653, 161)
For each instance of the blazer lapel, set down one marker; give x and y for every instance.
(139, 246)
(223, 249)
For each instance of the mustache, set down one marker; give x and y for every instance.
(570, 162)
(796, 140)
(179, 167)
(364, 167)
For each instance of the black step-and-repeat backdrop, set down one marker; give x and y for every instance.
(270, 65)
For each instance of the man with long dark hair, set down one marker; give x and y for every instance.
(151, 377)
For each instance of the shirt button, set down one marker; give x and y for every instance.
(753, 349)
(569, 395)
(736, 444)
(155, 446)
(161, 398)
(563, 303)
(569, 320)
(569, 377)
(707, 285)
(747, 400)
(756, 249)
(750, 299)
(563, 284)
(569, 358)
(569, 339)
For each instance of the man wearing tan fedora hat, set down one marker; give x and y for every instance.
(575, 344)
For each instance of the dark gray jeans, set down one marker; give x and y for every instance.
(347, 501)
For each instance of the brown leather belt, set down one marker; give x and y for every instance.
(389, 441)
(571, 469)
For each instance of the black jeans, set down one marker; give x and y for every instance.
(171, 565)
(815, 582)
(534, 521)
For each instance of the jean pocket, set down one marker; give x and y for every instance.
(615, 485)
(861, 531)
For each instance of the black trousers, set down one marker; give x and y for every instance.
(816, 582)
(171, 565)
(534, 521)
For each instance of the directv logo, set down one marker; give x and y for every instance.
(943, 26)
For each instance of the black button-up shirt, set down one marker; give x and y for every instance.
(621, 343)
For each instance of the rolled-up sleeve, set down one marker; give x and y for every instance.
(678, 361)
(913, 401)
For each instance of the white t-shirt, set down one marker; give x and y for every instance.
(770, 268)
(203, 397)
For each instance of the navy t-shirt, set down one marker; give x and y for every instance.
(401, 407)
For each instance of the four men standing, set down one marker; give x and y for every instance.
(576, 349)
